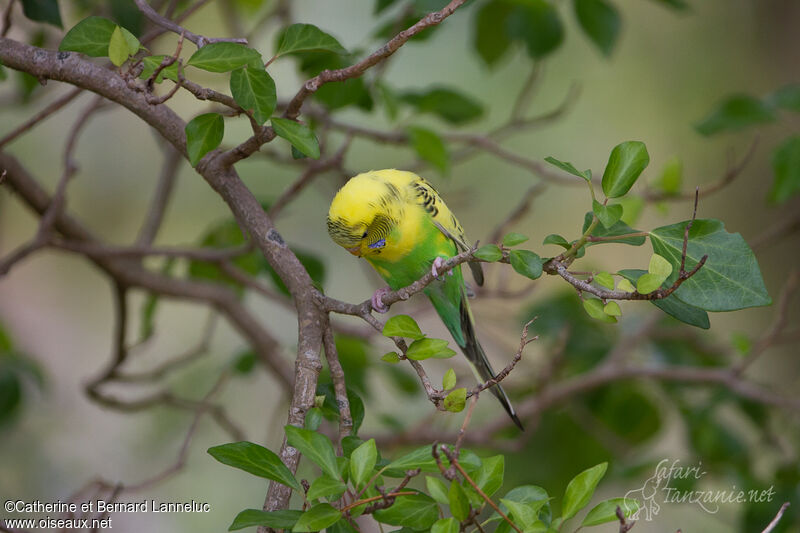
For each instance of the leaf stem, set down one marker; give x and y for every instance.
(376, 498)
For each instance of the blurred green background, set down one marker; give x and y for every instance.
(668, 70)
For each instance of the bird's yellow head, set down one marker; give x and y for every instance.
(364, 214)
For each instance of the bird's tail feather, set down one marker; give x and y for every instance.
(474, 352)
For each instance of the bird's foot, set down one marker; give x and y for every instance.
(377, 299)
(437, 264)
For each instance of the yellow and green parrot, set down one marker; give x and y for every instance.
(399, 224)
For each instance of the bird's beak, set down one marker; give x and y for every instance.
(355, 250)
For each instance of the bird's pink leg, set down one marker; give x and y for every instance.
(377, 299)
(437, 264)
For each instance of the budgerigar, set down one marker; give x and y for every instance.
(399, 224)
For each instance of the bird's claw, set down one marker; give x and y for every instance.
(377, 299)
(437, 264)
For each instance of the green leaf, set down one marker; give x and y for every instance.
(445, 525)
(255, 460)
(491, 41)
(513, 239)
(224, 57)
(3, 74)
(118, 47)
(489, 252)
(526, 263)
(299, 135)
(678, 5)
(203, 134)
(659, 267)
(595, 309)
(326, 487)
(600, 21)
(607, 214)
(459, 504)
(316, 447)
(606, 511)
(133, 43)
(568, 167)
(452, 106)
(437, 489)
(42, 11)
(430, 147)
(90, 36)
(730, 279)
(671, 177)
(489, 476)
(580, 490)
(317, 518)
(558, 240)
(362, 462)
(391, 357)
(671, 304)
(619, 228)
(604, 279)
(524, 514)
(647, 283)
(313, 418)
(786, 166)
(456, 400)
(787, 97)
(734, 113)
(253, 89)
(612, 309)
(402, 326)
(284, 519)
(417, 512)
(538, 25)
(151, 63)
(307, 37)
(449, 379)
(626, 163)
(331, 405)
(422, 349)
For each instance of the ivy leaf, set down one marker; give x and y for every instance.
(456, 400)
(526, 263)
(253, 89)
(90, 36)
(316, 447)
(362, 462)
(307, 37)
(449, 379)
(558, 240)
(600, 21)
(118, 48)
(734, 113)
(490, 43)
(730, 279)
(612, 309)
(595, 309)
(538, 25)
(317, 518)
(445, 525)
(619, 228)
(659, 266)
(151, 63)
(607, 214)
(417, 511)
(625, 165)
(224, 57)
(325, 487)
(786, 166)
(570, 168)
(284, 519)
(430, 147)
(580, 490)
(489, 252)
(422, 349)
(402, 326)
(299, 135)
(391, 357)
(606, 511)
(437, 489)
(255, 460)
(604, 279)
(459, 504)
(513, 239)
(452, 106)
(489, 476)
(203, 134)
(42, 11)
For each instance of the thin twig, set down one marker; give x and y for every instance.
(774, 523)
(339, 386)
(169, 25)
(40, 116)
(7, 19)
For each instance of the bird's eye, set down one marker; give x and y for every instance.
(364, 236)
